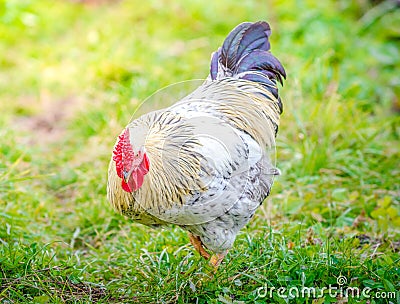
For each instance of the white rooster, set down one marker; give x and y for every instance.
(203, 164)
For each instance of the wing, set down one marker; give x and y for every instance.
(229, 158)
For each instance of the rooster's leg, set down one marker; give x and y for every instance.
(217, 258)
(198, 245)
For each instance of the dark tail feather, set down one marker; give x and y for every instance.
(245, 54)
(263, 61)
(256, 37)
(231, 44)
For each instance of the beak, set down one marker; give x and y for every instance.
(126, 175)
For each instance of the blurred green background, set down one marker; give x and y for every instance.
(73, 72)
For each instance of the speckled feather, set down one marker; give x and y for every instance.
(209, 162)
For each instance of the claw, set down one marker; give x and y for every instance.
(217, 258)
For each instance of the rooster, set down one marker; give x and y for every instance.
(204, 163)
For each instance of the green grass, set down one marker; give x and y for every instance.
(71, 76)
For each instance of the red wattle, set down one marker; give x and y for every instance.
(125, 187)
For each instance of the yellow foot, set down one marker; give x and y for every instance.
(198, 245)
(217, 258)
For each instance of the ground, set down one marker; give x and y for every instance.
(73, 72)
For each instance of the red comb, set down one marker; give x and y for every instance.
(123, 153)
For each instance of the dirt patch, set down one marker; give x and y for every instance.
(49, 122)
